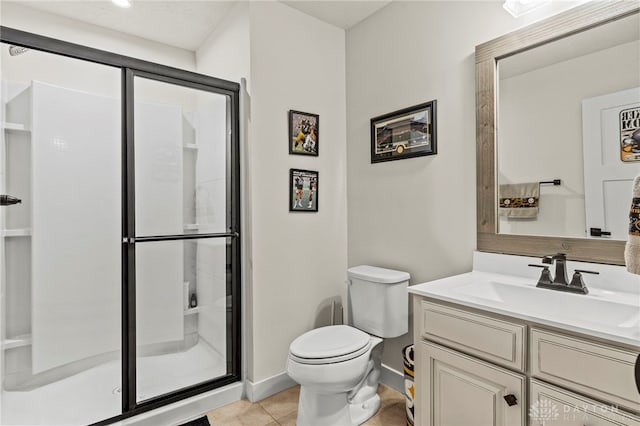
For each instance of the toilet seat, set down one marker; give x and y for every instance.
(327, 345)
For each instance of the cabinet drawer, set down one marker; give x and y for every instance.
(550, 405)
(498, 341)
(604, 372)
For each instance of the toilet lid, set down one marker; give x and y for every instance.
(329, 342)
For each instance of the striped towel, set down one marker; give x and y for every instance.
(632, 248)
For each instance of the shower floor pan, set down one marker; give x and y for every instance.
(94, 395)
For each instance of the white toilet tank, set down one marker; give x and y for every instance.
(379, 302)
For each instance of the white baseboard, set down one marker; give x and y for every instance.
(188, 409)
(267, 387)
(272, 385)
(392, 378)
(191, 408)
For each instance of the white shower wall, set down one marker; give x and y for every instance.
(211, 274)
(211, 171)
(159, 265)
(210, 122)
(75, 225)
(74, 259)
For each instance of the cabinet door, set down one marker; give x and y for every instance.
(458, 390)
(554, 406)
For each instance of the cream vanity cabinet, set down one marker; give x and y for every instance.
(474, 368)
(460, 378)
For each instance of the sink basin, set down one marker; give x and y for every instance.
(584, 309)
(608, 314)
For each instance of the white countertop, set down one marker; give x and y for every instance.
(610, 311)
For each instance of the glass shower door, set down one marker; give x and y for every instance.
(119, 234)
(61, 245)
(184, 236)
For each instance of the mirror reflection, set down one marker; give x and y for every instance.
(568, 134)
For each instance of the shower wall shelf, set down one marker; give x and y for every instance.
(191, 311)
(16, 229)
(190, 146)
(24, 232)
(17, 342)
(16, 127)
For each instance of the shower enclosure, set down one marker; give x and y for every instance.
(120, 264)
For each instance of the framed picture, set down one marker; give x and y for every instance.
(303, 190)
(630, 134)
(304, 138)
(409, 132)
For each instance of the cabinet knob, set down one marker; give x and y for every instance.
(511, 399)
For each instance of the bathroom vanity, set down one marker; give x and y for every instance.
(492, 349)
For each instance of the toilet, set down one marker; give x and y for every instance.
(338, 366)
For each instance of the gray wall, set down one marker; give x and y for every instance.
(417, 215)
(296, 262)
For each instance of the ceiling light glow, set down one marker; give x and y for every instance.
(122, 3)
(517, 8)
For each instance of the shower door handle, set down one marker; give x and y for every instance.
(9, 200)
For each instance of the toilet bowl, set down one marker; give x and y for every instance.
(338, 366)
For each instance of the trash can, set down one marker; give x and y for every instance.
(407, 356)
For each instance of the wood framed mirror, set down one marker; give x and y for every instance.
(573, 21)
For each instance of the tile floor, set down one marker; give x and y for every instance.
(282, 409)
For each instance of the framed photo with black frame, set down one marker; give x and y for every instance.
(406, 133)
(303, 190)
(304, 136)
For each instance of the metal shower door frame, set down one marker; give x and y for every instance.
(130, 68)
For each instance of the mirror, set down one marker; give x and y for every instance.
(564, 117)
(563, 203)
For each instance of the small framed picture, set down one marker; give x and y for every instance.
(303, 190)
(304, 138)
(409, 132)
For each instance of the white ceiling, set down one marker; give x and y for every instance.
(187, 23)
(344, 14)
(178, 23)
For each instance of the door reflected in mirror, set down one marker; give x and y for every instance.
(569, 110)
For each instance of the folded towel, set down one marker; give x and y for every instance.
(519, 200)
(632, 248)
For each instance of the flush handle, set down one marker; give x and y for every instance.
(511, 399)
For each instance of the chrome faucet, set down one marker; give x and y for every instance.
(561, 281)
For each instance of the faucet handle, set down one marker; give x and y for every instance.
(577, 282)
(545, 276)
(584, 271)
